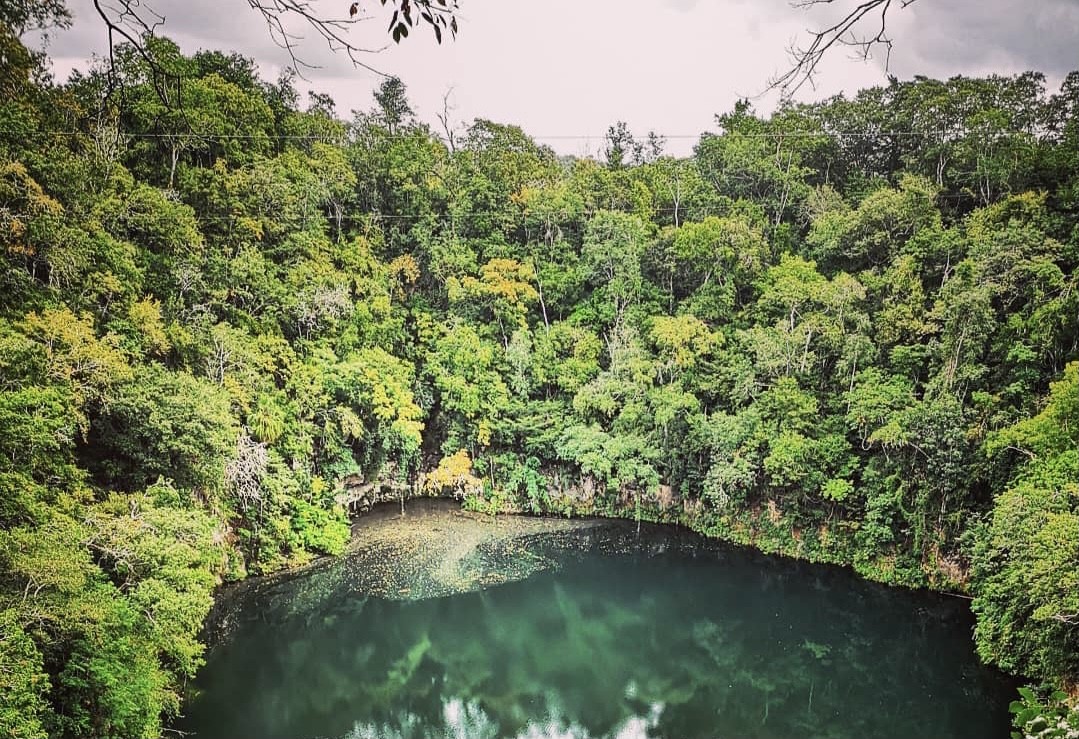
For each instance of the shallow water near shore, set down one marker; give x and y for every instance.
(446, 624)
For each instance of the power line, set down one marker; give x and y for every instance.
(552, 137)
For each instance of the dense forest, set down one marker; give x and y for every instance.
(846, 332)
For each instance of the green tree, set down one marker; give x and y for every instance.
(1025, 568)
(612, 250)
(23, 680)
(164, 424)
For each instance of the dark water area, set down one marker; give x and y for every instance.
(608, 634)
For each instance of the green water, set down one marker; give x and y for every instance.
(611, 635)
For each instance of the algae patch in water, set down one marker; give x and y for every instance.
(434, 551)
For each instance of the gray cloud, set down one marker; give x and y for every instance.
(683, 5)
(947, 37)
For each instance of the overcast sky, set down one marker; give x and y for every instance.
(565, 70)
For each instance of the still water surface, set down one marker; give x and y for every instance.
(608, 634)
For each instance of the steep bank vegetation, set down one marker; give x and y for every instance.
(847, 332)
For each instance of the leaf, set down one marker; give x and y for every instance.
(453, 26)
(438, 34)
(1027, 716)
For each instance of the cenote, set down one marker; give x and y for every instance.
(587, 629)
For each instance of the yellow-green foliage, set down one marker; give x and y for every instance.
(454, 475)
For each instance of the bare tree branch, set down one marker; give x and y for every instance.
(130, 21)
(245, 472)
(845, 32)
(276, 13)
(136, 23)
(446, 119)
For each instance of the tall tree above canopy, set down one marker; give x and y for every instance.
(393, 106)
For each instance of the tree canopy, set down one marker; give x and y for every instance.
(851, 349)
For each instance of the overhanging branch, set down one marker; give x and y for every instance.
(845, 32)
(135, 23)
